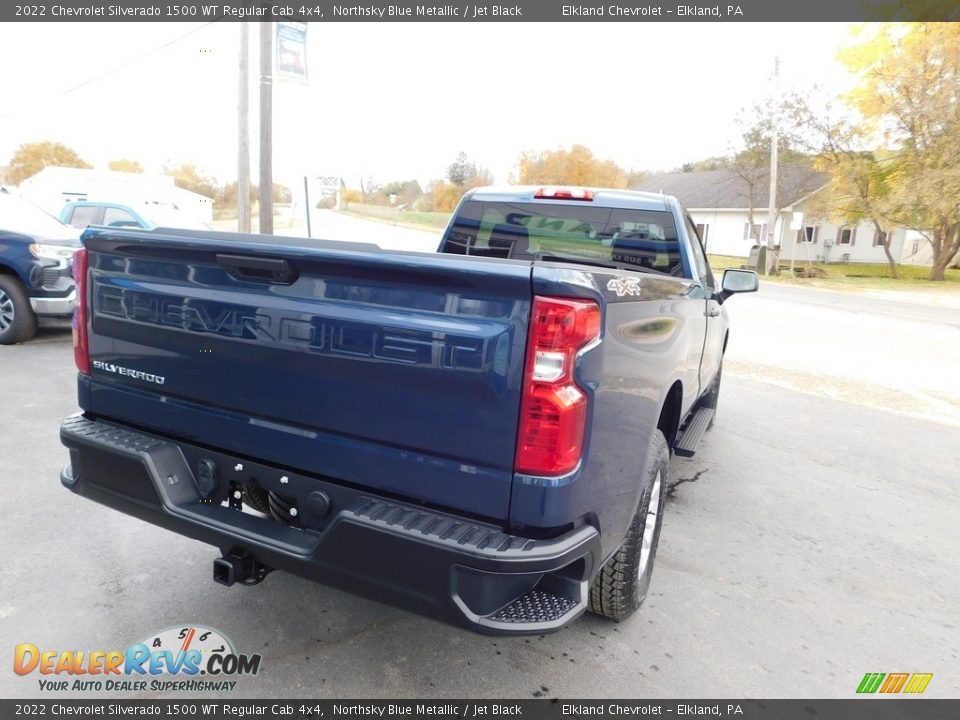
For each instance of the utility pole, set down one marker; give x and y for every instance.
(243, 145)
(772, 256)
(266, 128)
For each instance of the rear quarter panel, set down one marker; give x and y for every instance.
(649, 341)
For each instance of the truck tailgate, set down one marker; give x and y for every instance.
(399, 372)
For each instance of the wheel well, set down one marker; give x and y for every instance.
(4, 270)
(669, 421)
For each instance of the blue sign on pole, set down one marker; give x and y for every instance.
(292, 50)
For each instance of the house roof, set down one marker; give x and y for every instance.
(90, 180)
(726, 189)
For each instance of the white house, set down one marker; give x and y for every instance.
(53, 187)
(719, 202)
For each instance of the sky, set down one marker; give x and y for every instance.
(393, 101)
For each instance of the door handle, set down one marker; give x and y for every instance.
(258, 269)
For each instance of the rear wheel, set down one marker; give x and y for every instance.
(17, 319)
(622, 583)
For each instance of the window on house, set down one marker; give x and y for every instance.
(755, 232)
(808, 234)
(916, 247)
(846, 236)
(880, 238)
(703, 230)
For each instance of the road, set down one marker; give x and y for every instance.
(883, 352)
(812, 539)
(330, 225)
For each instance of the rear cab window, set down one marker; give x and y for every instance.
(84, 215)
(118, 217)
(645, 240)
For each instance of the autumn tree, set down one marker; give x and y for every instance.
(576, 166)
(463, 174)
(226, 196)
(31, 158)
(125, 165)
(859, 184)
(908, 98)
(188, 177)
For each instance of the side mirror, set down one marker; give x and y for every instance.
(738, 281)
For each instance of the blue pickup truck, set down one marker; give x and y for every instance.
(480, 434)
(36, 282)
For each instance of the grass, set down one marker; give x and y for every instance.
(852, 276)
(427, 219)
(411, 218)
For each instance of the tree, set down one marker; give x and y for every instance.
(31, 158)
(463, 174)
(226, 196)
(751, 161)
(125, 165)
(188, 177)
(281, 194)
(576, 166)
(441, 196)
(908, 99)
(461, 171)
(404, 192)
(859, 184)
(719, 162)
(368, 188)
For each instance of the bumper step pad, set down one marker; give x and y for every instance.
(535, 607)
(687, 443)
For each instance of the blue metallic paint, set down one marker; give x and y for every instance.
(388, 420)
(346, 373)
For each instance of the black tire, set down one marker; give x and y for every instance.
(256, 497)
(18, 323)
(622, 583)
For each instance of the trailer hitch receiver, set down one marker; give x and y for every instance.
(239, 567)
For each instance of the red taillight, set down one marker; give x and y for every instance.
(81, 348)
(553, 411)
(548, 193)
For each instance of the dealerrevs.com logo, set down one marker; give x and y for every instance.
(203, 659)
(894, 683)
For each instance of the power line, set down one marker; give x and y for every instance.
(136, 59)
(121, 66)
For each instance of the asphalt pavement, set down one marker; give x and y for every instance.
(812, 539)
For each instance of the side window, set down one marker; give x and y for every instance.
(83, 215)
(699, 256)
(118, 217)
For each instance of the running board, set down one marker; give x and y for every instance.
(692, 435)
